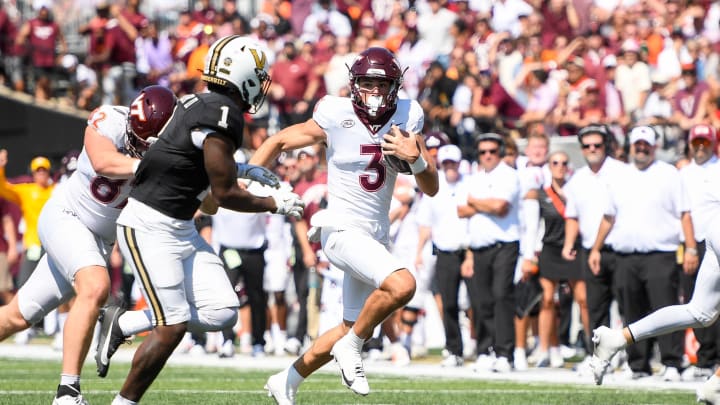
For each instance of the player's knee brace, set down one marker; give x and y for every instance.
(211, 320)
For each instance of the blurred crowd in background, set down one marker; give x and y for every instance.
(510, 66)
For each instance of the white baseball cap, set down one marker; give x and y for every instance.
(449, 152)
(643, 133)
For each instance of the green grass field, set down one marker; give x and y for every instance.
(33, 382)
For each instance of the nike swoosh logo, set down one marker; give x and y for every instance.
(347, 382)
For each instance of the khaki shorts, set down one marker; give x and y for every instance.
(6, 281)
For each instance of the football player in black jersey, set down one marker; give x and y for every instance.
(183, 280)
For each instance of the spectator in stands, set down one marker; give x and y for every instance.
(336, 72)
(492, 107)
(415, 54)
(155, 61)
(11, 73)
(436, 97)
(204, 12)
(45, 42)
(434, 24)
(294, 86)
(83, 90)
(690, 102)
(117, 56)
(632, 78)
(325, 18)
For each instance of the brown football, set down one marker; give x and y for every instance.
(399, 165)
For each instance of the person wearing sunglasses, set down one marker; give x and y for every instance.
(645, 211)
(490, 200)
(586, 192)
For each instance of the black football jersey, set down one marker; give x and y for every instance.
(171, 177)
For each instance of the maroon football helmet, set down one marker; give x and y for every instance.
(375, 63)
(149, 113)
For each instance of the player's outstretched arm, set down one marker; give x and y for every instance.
(224, 189)
(293, 137)
(105, 158)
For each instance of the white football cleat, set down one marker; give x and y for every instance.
(352, 371)
(280, 390)
(607, 343)
(709, 392)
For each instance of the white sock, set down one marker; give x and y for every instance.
(294, 378)
(62, 317)
(122, 401)
(69, 379)
(133, 322)
(356, 341)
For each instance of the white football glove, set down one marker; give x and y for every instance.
(257, 173)
(288, 204)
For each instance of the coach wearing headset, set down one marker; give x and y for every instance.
(587, 193)
(490, 199)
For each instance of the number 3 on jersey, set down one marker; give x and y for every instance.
(366, 181)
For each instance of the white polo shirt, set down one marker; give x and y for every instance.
(702, 185)
(239, 230)
(503, 183)
(449, 232)
(587, 195)
(647, 207)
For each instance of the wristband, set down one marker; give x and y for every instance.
(691, 251)
(419, 165)
(135, 166)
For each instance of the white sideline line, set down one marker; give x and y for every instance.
(331, 391)
(416, 370)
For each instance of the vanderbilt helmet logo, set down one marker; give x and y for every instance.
(260, 58)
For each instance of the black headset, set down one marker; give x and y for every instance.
(598, 129)
(491, 136)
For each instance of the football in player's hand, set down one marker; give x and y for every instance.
(399, 165)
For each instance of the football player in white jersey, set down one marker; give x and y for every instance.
(77, 229)
(366, 146)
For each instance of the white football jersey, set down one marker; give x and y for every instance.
(98, 200)
(360, 185)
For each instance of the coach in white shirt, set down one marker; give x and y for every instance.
(448, 233)
(646, 211)
(586, 194)
(489, 199)
(697, 178)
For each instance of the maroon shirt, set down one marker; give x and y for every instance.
(687, 100)
(138, 20)
(554, 24)
(43, 37)
(122, 49)
(508, 109)
(4, 210)
(294, 77)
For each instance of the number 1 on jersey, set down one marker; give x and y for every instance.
(223, 118)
